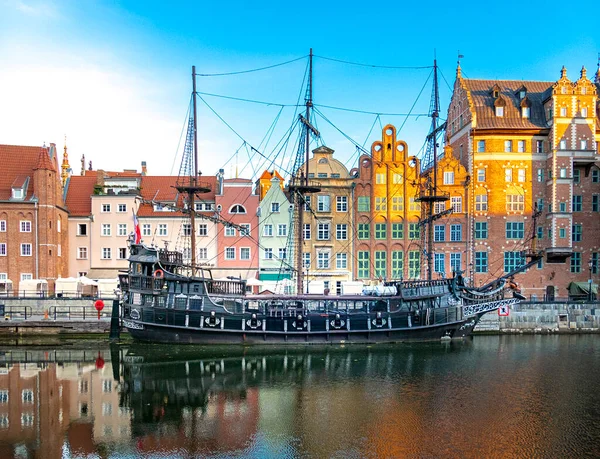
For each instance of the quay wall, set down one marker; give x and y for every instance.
(534, 317)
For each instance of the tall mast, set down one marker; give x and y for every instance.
(194, 177)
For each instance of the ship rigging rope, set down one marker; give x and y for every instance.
(251, 70)
(374, 65)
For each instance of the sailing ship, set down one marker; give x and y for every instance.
(167, 300)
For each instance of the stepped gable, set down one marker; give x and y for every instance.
(80, 188)
(161, 189)
(18, 163)
(484, 102)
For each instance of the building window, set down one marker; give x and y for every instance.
(448, 178)
(397, 264)
(563, 144)
(515, 202)
(577, 203)
(82, 253)
(539, 204)
(341, 232)
(515, 230)
(508, 175)
(282, 253)
(307, 203)
(596, 203)
(583, 145)
(481, 146)
(363, 264)
(268, 230)
(508, 146)
(202, 253)
(380, 179)
(25, 250)
(268, 253)
(397, 179)
(563, 111)
(3, 249)
(414, 205)
(455, 262)
(397, 231)
(282, 230)
(439, 233)
(595, 175)
(576, 262)
(274, 207)
(237, 209)
(439, 207)
(122, 229)
(122, 253)
(456, 233)
(540, 232)
(323, 259)
(576, 175)
(363, 231)
(162, 229)
(513, 260)
(439, 264)
(341, 261)
(540, 175)
(481, 202)
(146, 229)
(2, 226)
(521, 146)
(481, 175)
(521, 175)
(456, 203)
(576, 233)
(105, 208)
(499, 111)
(364, 204)
(481, 230)
(525, 111)
(306, 260)
(106, 253)
(380, 204)
(584, 112)
(481, 262)
(321, 174)
(229, 253)
(397, 204)
(539, 146)
(106, 230)
(380, 264)
(341, 203)
(414, 231)
(25, 226)
(414, 264)
(380, 231)
(562, 206)
(122, 208)
(595, 257)
(323, 203)
(307, 231)
(323, 231)
(3, 397)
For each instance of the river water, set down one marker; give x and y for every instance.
(510, 396)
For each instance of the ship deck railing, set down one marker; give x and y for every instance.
(225, 287)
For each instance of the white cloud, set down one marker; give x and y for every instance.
(39, 9)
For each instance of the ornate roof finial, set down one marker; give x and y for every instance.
(563, 72)
(82, 164)
(583, 73)
(65, 168)
(598, 71)
(458, 69)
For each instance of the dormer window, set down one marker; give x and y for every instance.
(499, 105)
(499, 111)
(17, 193)
(522, 94)
(525, 112)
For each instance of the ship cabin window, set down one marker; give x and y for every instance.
(196, 302)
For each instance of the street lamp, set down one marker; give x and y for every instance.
(590, 265)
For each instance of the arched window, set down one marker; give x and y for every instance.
(237, 209)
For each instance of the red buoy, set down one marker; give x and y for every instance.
(99, 305)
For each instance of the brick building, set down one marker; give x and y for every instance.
(527, 145)
(33, 216)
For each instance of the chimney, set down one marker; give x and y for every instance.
(144, 168)
(220, 180)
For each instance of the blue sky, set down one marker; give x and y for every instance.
(114, 76)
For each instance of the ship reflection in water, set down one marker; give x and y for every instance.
(490, 397)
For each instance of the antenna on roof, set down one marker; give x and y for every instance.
(460, 56)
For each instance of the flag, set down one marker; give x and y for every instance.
(136, 228)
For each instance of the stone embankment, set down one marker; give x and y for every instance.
(533, 317)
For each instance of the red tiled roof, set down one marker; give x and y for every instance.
(44, 161)
(162, 189)
(18, 162)
(80, 188)
(482, 97)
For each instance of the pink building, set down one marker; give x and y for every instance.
(237, 203)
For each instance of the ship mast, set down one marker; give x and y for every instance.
(430, 194)
(190, 186)
(299, 186)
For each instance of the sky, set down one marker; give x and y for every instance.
(114, 77)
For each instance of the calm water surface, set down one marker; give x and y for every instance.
(521, 396)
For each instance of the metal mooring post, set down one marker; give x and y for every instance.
(115, 326)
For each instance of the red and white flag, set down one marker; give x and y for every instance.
(136, 228)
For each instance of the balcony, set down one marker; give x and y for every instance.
(558, 254)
